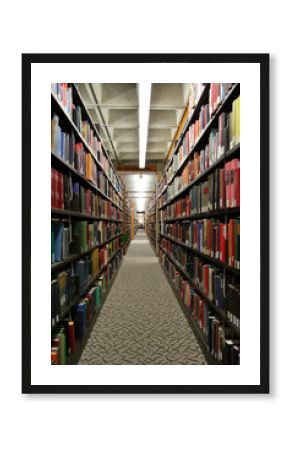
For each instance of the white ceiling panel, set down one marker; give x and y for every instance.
(114, 107)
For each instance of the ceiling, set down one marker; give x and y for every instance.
(114, 108)
(139, 187)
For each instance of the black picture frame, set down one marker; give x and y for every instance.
(263, 61)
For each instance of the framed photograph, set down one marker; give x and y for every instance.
(133, 191)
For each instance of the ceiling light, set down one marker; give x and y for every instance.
(144, 109)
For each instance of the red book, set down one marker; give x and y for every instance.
(237, 187)
(233, 244)
(216, 250)
(187, 209)
(229, 243)
(222, 189)
(56, 189)
(71, 337)
(205, 279)
(54, 356)
(53, 188)
(223, 236)
(60, 191)
(187, 142)
(228, 184)
(234, 164)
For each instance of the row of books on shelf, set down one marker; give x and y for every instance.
(64, 94)
(68, 332)
(220, 190)
(195, 168)
(69, 194)
(211, 237)
(208, 278)
(233, 304)
(217, 94)
(195, 91)
(72, 282)
(64, 145)
(216, 335)
(80, 236)
(221, 139)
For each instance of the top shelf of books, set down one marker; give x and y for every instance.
(212, 125)
(75, 123)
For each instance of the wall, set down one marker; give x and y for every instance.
(108, 422)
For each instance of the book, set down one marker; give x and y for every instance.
(59, 345)
(79, 315)
(58, 243)
(234, 123)
(71, 337)
(63, 92)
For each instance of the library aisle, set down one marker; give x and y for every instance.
(145, 223)
(141, 321)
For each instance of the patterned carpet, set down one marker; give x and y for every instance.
(141, 321)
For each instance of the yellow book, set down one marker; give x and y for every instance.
(237, 121)
(54, 128)
(233, 142)
(88, 166)
(95, 262)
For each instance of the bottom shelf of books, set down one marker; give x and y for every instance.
(72, 326)
(214, 320)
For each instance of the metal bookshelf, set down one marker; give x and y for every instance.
(113, 195)
(229, 273)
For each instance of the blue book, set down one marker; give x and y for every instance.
(62, 148)
(80, 272)
(58, 233)
(218, 290)
(66, 147)
(80, 320)
(76, 196)
(54, 302)
(72, 150)
(58, 141)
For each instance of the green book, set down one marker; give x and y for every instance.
(98, 295)
(80, 236)
(84, 244)
(62, 338)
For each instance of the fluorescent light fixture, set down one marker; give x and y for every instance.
(144, 109)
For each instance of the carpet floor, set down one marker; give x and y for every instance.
(141, 321)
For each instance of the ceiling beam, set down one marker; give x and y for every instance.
(99, 113)
(152, 107)
(135, 168)
(139, 190)
(134, 126)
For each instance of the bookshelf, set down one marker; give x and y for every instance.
(151, 221)
(199, 219)
(134, 222)
(127, 221)
(86, 224)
